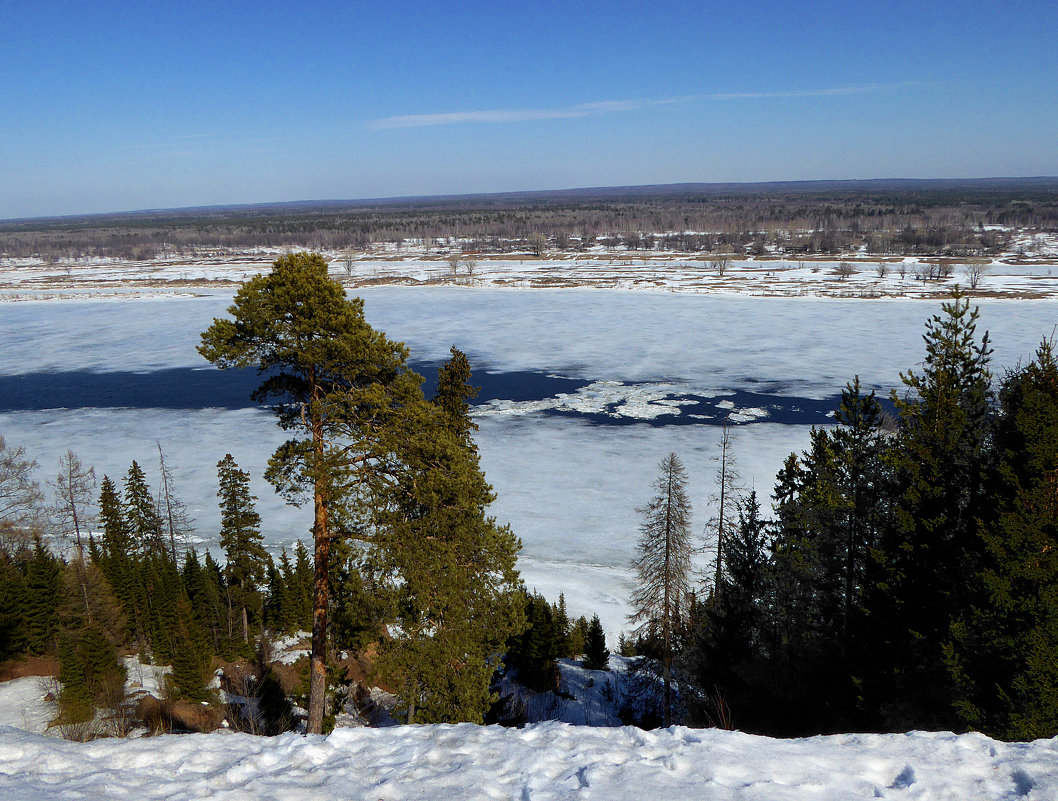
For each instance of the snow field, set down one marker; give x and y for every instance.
(539, 763)
(1027, 269)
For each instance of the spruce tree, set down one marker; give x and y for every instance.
(533, 652)
(240, 537)
(278, 614)
(44, 598)
(141, 515)
(300, 586)
(12, 608)
(727, 655)
(75, 698)
(596, 654)
(116, 544)
(1002, 657)
(928, 561)
(577, 639)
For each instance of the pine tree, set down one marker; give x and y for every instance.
(448, 567)
(663, 565)
(240, 537)
(331, 379)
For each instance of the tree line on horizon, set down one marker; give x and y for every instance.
(923, 221)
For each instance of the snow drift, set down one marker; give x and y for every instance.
(542, 761)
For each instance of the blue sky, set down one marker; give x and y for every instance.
(112, 106)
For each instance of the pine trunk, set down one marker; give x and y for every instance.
(321, 537)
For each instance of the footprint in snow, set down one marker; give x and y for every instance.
(1023, 782)
(904, 779)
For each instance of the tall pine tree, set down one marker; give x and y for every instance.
(450, 569)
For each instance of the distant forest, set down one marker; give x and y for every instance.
(926, 217)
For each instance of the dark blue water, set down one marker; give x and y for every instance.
(188, 388)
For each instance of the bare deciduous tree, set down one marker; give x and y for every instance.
(172, 512)
(974, 272)
(727, 485)
(75, 492)
(537, 244)
(20, 496)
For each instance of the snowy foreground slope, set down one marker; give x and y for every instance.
(542, 761)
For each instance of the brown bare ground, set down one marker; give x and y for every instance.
(29, 666)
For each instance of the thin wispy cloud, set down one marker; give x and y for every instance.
(601, 107)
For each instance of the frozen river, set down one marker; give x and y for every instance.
(583, 393)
